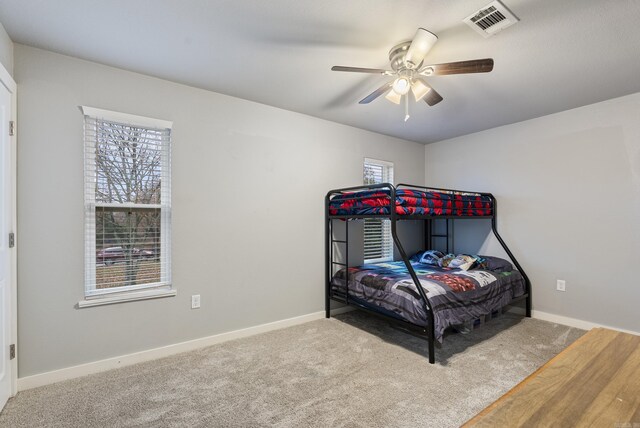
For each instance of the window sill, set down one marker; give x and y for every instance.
(126, 297)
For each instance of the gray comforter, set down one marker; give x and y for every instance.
(457, 296)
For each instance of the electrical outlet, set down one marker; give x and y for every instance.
(561, 285)
(195, 301)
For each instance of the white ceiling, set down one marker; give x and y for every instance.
(561, 55)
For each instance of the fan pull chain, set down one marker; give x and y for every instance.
(406, 107)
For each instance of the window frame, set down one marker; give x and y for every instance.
(164, 287)
(387, 177)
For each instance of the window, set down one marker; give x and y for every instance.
(378, 244)
(127, 205)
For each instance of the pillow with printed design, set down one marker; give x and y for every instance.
(461, 261)
(429, 257)
(494, 264)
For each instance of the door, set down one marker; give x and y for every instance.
(6, 262)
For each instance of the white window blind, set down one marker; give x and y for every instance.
(378, 244)
(127, 202)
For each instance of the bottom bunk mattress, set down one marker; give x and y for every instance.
(456, 296)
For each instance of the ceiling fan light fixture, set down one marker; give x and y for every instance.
(402, 85)
(419, 89)
(394, 97)
(421, 44)
(407, 61)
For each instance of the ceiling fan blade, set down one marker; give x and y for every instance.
(375, 94)
(361, 70)
(432, 98)
(461, 67)
(421, 44)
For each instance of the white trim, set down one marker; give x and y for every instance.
(89, 213)
(14, 219)
(126, 296)
(379, 162)
(165, 214)
(47, 378)
(7, 81)
(130, 119)
(574, 322)
(379, 260)
(91, 141)
(125, 205)
(100, 293)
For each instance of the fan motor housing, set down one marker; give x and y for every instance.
(397, 55)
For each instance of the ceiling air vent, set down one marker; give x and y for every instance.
(491, 19)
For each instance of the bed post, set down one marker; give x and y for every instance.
(494, 228)
(327, 256)
(425, 302)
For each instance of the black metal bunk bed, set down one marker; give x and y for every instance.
(388, 193)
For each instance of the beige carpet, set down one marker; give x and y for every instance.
(350, 371)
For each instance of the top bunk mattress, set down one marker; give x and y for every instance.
(412, 202)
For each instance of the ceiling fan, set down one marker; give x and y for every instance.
(407, 63)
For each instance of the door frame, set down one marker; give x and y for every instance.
(7, 81)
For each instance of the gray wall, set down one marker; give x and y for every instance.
(568, 187)
(248, 188)
(6, 50)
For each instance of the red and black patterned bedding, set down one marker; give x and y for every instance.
(456, 296)
(411, 202)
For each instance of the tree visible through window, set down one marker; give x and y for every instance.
(127, 200)
(378, 245)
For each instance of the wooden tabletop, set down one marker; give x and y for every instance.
(594, 382)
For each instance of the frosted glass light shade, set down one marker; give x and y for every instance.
(394, 97)
(419, 89)
(401, 85)
(421, 44)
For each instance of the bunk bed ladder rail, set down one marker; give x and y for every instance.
(329, 246)
(337, 295)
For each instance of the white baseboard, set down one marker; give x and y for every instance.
(54, 376)
(47, 378)
(574, 322)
